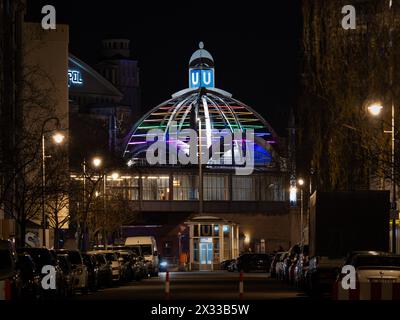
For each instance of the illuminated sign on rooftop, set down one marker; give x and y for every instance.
(74, 77)
(201, 78)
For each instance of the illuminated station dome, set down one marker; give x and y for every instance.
(215, 108)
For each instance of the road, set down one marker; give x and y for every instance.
(199, 286)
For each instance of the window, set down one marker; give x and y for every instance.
(155, 187)
(215, 187)
(243, 188)
(185, 187)
(125, 187)
(271, 188)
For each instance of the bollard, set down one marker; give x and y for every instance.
(167, 285)
(241, 286)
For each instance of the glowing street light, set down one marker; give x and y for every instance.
(97, 162)
(58, 138)
(375, 109)
(115, 175)
(300, 182)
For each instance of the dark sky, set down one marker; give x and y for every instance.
(255, 46)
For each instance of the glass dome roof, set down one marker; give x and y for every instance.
(216, 109)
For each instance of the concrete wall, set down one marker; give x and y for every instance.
(274, 229)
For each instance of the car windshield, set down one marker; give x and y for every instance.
(75, 257)
(146, 250)
(5, 261)
(41, 257)
(100, 258)
(377, 261)
(135, 250)
(111, 257)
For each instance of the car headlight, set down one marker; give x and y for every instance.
(164, 264)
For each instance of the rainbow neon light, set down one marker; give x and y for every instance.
(217, 112)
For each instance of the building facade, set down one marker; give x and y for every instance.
(187, 206)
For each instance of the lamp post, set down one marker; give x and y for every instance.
(97, 162)
(58, 138)
(200, 159)
(301, 183)
(375, 110)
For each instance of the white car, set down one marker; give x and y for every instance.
(115, 263)
(376, 267)
(81, 276)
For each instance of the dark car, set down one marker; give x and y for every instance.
(253, 262)
(225, 264)
(10, 279)
(125, 260)
(275, 259)
(68, 271)
(43, 257)
(80, 270)
(30, 277)
(93, 270)
(104, 270)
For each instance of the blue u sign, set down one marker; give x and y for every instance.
(201, 78)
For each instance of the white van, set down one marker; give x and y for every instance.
(145, 246)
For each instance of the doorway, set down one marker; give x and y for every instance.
(206, 255)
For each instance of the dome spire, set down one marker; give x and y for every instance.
(201, 45)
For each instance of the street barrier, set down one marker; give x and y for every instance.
(167, 285)
(241, 285)
(367, 291)
(5, 290)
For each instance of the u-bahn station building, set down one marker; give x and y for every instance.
(236, 211)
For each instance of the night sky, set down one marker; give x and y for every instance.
(255, 48)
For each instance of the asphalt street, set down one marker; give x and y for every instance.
(204, 285)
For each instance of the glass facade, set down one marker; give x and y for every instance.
(124, 187)
(155, 187)
(185, 187)
(216, 187)
(244, 188)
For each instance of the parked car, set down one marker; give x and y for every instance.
(232, 267)
(279, 265)
(30, 277)
(112, 260)
(10, 280)
(43, 257)
(248, 262)
(104, 268)
(375, 267)
(68, 272)
(274, 260)
(126, 263)
(301, 267)
(93, 270)
(225, 264)
(81, 281)
(147, 247)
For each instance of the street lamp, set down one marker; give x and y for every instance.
(300, 182)
(58, 138)
(375, 110)
(97, 162)
(115, 175)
